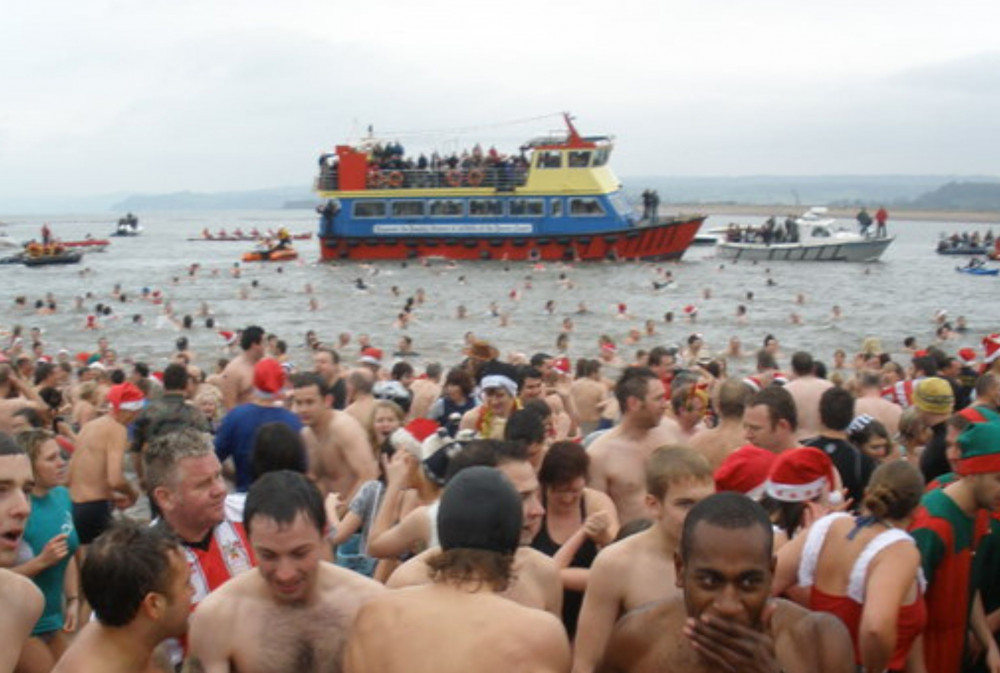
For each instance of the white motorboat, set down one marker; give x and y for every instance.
(6, 241)
(818, 241)
(816, 215)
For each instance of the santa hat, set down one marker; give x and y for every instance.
(561, 365)
(410, 438)
(745, 471)
(991, 348)
(691, 309)
(125, 397)
(968, 355)
(609, 347)
(799, 475)
(268, 378)
(230, 337)
(371, 356)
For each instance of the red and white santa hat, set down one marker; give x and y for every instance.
(745, 471)
(371, 356)
(126, 397)
(691, 309)
(800, 475)
(991, 348)
(230, 337)
(562, 365)
(967, 355)
(410, 438)
(268, 378)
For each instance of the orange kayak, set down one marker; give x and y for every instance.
(270, 255)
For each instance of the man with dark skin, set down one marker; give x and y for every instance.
(726, 620)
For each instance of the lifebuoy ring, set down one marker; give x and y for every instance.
(375, 178)
(395, 179)
(476, 177)
(453, 178)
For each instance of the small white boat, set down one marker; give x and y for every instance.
(6, 241)
(818, 242)
(817, 215)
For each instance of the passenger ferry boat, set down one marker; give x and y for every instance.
(559, 200)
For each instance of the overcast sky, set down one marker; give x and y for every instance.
(155, 95)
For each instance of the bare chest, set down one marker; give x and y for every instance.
(292, 640)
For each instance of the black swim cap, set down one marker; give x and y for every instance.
(480, 509)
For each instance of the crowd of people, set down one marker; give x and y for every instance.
(499, 513)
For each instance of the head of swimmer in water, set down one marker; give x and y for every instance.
(285, 521)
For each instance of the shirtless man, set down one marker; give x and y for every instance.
(871, 402)
(426, 389)
(341, 457)
(639, 569)
(770, 420)
(588, 392)
(21, 602)
(137, 581)
(689, 404)
(618, 457)
(97, 481)
(458, 623)
(806, 389)
(725, 619)
(237, 377)
(536, 582)
(360, 400)
(292, 612)
(717, 443)
(326, 363)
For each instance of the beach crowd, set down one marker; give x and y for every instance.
(518, 512)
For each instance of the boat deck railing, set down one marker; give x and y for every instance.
(502, 179)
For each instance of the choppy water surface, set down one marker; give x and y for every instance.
(891, 299)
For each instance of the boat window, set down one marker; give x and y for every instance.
(446, 208)
(556, 207)
(820, 232)
(620, 204)
(369, 209)
(527, 207)
(585, 208)
(549, 159)
(579, 159)
(601, 156)
(485, 207)
(408, 208)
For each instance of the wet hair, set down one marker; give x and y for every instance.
(866, 432)
(910, 423)
(894, 490)
(670, 465)
(42, 371)
(175, 377)
(632, 527)
(306, 379)
(281, 496)
(162, 455)
(927, 364)
(729, 511)
(182, 342)
(276, 446)
(401, 369)
(733, 396)
(51, 396)
(910, 342)
(780, 405)
(564, 463)
(31, 441)
(836, 408)
(634, 382)
(251, 336)
(525, 425)
(802, 363)
(461, 378)
(123, 566)
(765, 360)
(8, 447)
(487, 452)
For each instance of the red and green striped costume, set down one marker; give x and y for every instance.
(946, 538)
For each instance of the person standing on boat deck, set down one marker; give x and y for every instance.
(864, 221)
(881, 217)
(647, 200)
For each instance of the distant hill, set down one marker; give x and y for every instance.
(257, 199)
(961, 196)
(829, 190)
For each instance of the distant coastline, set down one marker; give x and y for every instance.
(781, 210)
